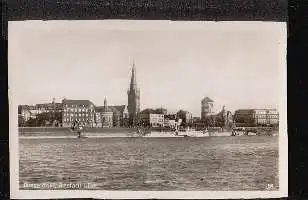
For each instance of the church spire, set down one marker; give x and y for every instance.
(133, 82)
(133, 93)
(105, 105)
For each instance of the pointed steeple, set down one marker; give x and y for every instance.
(133, 82)
(105, 105)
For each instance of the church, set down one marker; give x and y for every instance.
(133, 94)
(122, 115)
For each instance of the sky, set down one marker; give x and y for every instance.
(238, 65)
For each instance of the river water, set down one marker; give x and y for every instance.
(148, 164)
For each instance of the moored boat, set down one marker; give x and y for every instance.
(79, 130)
(162, 134)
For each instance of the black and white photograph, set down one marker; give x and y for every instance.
(138, 109)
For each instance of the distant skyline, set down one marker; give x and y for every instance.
(177, 64)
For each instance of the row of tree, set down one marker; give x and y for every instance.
(42, 119)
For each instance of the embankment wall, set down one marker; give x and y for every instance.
(52, 131)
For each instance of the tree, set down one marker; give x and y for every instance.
(21, 121)
(32, 122)
(220, 122)
(48, 117)
(161, 111)
(244, 119)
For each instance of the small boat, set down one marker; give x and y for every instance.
(80, 135)
(79, 132)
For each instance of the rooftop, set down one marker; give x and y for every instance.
(207, 99)
(78, 102)
(119, 108)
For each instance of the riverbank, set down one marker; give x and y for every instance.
(61, 131)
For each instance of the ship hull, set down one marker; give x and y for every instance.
(161, 134)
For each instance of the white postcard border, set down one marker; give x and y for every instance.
(146, 25)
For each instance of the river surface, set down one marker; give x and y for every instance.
(148, 164)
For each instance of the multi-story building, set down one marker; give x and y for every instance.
(149, 117)
(266, 116)
(98, 118)
(133, 99)
(170, 120)
(31, 111)
(207, 105)
(256, 117)
(78, 111)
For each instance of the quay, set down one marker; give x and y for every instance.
(61, 132)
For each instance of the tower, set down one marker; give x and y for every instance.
(206, 107)
(105, 105)
(133, 98)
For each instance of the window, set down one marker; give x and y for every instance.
(79, 115)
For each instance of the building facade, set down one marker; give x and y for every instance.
(120, 115)
(170, 121)
(31, 111)
(78, 111)
(107, 119)
(133, 99)
(107, 116)
(207, 106)
(256, 117)
(152, 119)
(113, 116)
(266, 116)
(48, 113)
(98, 119)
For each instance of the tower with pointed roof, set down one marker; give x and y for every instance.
(105, 105)
(133, 98)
